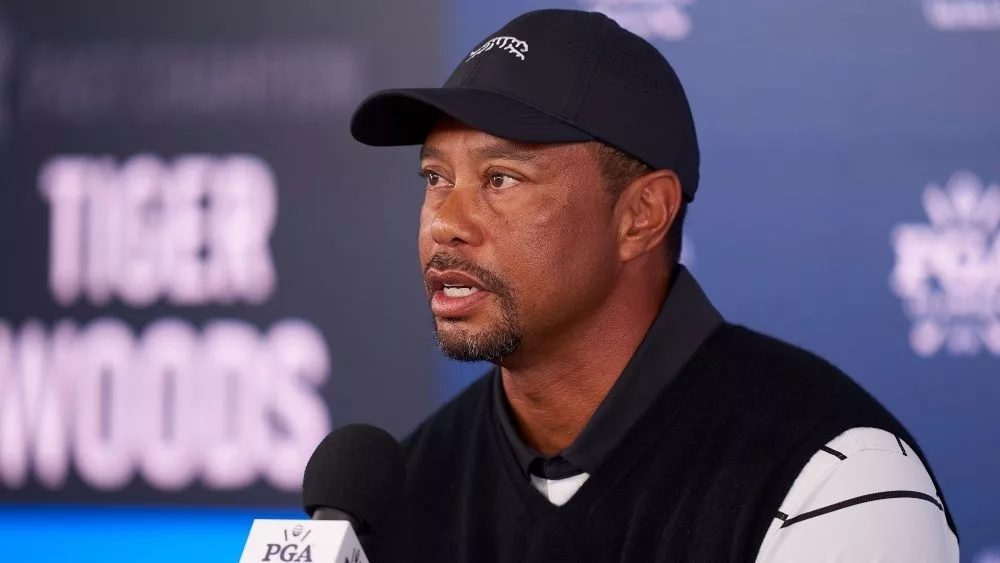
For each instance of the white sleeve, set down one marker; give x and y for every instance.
(865, 496)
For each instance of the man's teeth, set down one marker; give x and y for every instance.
(459, 291)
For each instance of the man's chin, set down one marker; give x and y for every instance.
(456, 334)
(460, 340)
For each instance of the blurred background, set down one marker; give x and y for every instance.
(201, 273)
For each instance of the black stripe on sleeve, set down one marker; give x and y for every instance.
(900, 442)
(781, 516)
(861, 500)
(833, 452)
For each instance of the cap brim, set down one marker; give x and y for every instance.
(406, 116)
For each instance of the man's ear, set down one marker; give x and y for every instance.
(645, 211)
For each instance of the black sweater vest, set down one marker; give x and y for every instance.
(699, 478)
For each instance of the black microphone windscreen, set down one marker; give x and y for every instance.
(358, 469)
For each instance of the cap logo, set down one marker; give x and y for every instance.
(512, 45)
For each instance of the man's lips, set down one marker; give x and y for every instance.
(454, 293)
(438, 280)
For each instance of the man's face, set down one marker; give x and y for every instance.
(517, 241)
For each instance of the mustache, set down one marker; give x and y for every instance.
(493, 282)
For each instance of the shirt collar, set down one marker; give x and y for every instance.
(686, 319)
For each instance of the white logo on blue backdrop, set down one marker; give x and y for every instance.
(651, 19)
(962, 15)
(948, 272)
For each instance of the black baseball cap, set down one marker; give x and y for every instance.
(552, 76)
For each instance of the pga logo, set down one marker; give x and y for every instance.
(947, 271)
(287, 552)
(292, 548)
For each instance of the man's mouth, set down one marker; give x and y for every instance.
(459, 290)
(453, 283)
(454, 293)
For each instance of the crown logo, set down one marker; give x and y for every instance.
(948, 271)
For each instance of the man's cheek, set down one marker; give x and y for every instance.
(425, 242)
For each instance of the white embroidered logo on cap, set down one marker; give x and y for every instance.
(512, 45)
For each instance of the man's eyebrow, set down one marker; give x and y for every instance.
(429, 152)
(499, 151)
(505, 151)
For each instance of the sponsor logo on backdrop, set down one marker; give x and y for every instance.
(512, 45)
(226, 404)
(651, 19)
(947, 271)
(962, 15)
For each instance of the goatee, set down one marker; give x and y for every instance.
(492, 343)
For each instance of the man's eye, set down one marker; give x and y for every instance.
(433, 178)
(501, 181)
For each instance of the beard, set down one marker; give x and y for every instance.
(487, 345)
(500, 338)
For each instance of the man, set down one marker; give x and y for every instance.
(625, 420)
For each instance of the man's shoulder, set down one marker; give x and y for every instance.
(777, 403)
(768, 360)
(765, 347)
(771, 379)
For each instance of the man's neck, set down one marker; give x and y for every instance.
(555, 393)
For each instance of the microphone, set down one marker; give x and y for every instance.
(355, 474)
(350, 486)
